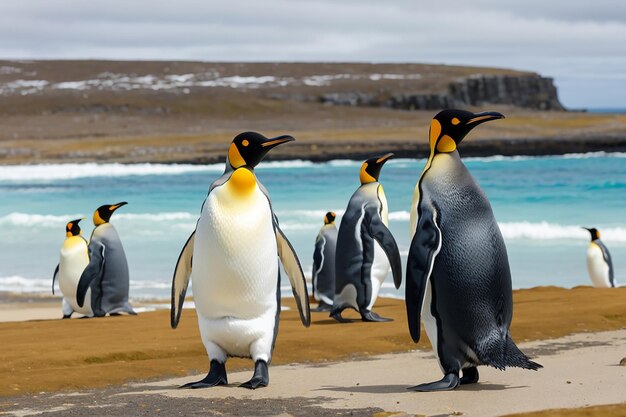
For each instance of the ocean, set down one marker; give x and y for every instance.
(540, 204)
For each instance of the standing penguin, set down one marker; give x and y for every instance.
(73, 261)
(233, 256)
(458, 275)
(599, 264)
(323, 276)
(107, 273)
(366, 247)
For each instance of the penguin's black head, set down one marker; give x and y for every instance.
(72, 228)
(103, 213)
(594, 233)
(370, 170)
(249, 148)
(449, 127)
(330, 217)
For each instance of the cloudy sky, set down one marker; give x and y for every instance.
(581, 43)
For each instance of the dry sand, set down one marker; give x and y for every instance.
(67, 355)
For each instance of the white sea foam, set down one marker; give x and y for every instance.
(21, 284)
(53, 221)
(516, 158)
(51, 172)
(310, 214)
(551, 231)
(399, 216)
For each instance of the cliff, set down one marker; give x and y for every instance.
(525, 91)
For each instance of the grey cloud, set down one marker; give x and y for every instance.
(558, 38)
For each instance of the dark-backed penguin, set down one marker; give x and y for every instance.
(233, 256)
(366, 246)
(458, 276)
(107, 272)
(323, 275)
(73, 260)
(599, 263)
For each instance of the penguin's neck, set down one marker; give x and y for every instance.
(442, 160)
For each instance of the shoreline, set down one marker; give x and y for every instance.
(357, 151)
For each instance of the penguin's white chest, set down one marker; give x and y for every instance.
(235, 260)
(73, 261)
(597, 267)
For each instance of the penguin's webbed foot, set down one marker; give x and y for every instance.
(470, 376)
(67, 316)
(367, 315)
(261, 377)
(337, 316)
(447, 383)
(215, 377)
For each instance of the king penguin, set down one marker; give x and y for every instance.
(323, 276)
(107, 272)
(599, 264)
(233, 256)
(458, 276)
(73, 261)
(367, 247)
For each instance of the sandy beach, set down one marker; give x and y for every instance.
(577, 334)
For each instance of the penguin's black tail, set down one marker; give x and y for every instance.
(514, 357)
(502, 353)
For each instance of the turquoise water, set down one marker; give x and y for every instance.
(539, 202)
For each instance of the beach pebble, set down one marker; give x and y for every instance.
(622, 362)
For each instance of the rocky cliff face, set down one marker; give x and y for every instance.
(526, 91)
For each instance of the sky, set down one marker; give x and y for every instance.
(580, 43)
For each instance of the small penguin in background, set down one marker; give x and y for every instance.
(73, 260)
(107, 272)
(234, 255)
(599, 264)
(458, 276)
(323, 276)
(365, 246)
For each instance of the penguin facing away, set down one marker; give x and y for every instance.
(107, 272)
(323, 275)
(458, 278)
(74, 258)
(599, 263)
(233, 256)
(367, 247)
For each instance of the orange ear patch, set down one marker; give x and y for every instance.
(234, 157)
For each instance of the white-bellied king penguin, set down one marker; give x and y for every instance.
(107, 272)
(72, 262)
(323, 275)
(599, 264)
(458, 276)
(366, 247)
(233, 256)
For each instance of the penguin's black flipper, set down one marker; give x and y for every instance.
(92, 272)
(424, 248)
(379, 232)
(180, 281)
(607, 258)
(54, 277)
(318, 259)
(291, 263)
